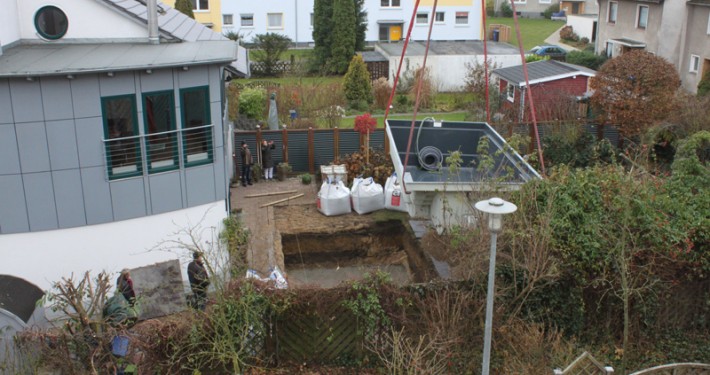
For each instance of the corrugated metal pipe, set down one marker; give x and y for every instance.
(153, 36)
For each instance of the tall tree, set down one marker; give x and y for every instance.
(635, 91)
(360, 24)
(322, 33)
(268, 50)
(185, 7)
(343, 47)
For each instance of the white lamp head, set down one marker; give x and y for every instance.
(495, 208)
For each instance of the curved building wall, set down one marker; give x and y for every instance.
(53, 173)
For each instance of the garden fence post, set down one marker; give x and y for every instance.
(336, 144)
(284, 141)
(311, 152)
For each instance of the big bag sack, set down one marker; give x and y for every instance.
(333, 199)
(367, 195)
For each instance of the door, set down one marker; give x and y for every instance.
(395, 33)
(575, 8)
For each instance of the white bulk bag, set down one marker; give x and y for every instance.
(333, 199)
(394, 196)
(367, 195)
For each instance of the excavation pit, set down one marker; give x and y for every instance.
(328, 258)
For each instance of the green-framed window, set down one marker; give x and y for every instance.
(196, 125)
(161, 140)
(122, 140)
(51, 22)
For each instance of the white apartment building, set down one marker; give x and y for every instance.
(388, 20)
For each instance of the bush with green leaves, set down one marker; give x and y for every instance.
(252, 103)
(587, 59)
(704, 85)
(547, 13)
(506, 10)
(185, 7)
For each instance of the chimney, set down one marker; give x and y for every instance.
(153, 36)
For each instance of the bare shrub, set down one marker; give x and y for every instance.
(530, 348)
(423, 78)
(401, 354)
(316, 100)
(381, 91)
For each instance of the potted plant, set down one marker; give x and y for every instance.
(256, 172)
(282, 170)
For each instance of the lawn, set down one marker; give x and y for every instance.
(348, 122)
(533, 31)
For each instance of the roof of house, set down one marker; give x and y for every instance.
(542, 71)
(172, 23)
(52, 59)
(184, 42)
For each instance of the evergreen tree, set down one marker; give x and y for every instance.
(322, 33)
(360, 25)
(357, 84)
(185, 7)
(343, 47)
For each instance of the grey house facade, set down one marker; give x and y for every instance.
(113, 137)
(676, 30)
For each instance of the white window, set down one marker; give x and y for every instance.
(275, 20)
(609, 49)
(545, 1)
(422, 18)
(520, 1)
(200, 4)
(311, 20)
(247, 20)
(462, 18)
(694, 63)
(439, 17)
(389, 3)
(227, 19)
(613, 7)
(510, 92)
(709, 24)
(642, 17)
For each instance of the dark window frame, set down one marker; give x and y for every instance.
(41, 30)
(172, 128)
(107, 136)
(207, 131)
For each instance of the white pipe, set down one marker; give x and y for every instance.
(153, 36)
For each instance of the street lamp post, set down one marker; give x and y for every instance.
(495, 208)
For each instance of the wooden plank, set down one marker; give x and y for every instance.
(268, 194)
(281, 200)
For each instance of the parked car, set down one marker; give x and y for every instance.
(554, 52)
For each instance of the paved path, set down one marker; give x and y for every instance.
(265, 245)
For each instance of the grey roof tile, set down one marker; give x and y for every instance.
(541, 71)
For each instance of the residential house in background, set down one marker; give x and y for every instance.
(112, 136)
(388, 20)
(557, 88)
(678, 31)
(207, 12)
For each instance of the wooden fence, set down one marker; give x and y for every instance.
(307, 149)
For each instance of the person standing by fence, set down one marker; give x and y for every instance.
(267, 160)
(247, 162)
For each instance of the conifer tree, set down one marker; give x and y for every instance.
(185, 7)
(360, 25)
(357, 85)
(343, 47)
(322, 33)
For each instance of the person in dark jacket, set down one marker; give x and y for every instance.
(266, 159)
(124, 284)
(199, 280)
(247, 162)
